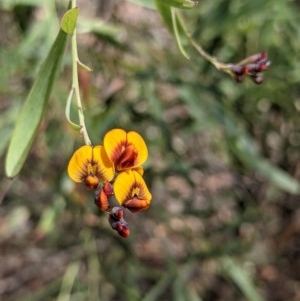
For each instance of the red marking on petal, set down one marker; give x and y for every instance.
(117, 152)
(127, 158)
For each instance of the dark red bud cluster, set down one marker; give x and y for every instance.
(252, 66)
(116, 214)
(117, 221)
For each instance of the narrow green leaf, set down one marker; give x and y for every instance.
(241, 279)
(177, 26)
(68, 281)
(161, 285)
(165, 13)
(173, 23)
(33, 108)
(248, 154)
(69, 20)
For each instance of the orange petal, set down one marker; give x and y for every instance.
(131, 191)
(77, 168)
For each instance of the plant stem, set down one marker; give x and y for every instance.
(75, 85)
(213, 60)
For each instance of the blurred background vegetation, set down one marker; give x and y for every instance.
(224, 161)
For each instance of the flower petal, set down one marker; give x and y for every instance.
(103, 168)
(137, 140)
(89, 161)
(77, 168)
(114, 142)
(139, 170)
(131, 191)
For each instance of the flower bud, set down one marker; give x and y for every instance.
(263, 55)
(238, 70)
(108, 189)
(257, 79)
(101, 200)
(119, 225)
(254, 58)
(124, 232)
(117, 213)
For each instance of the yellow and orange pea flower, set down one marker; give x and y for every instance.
(131, 191)
(91, 165)
(126, 150)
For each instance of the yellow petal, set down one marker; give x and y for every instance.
(139, 170)
(90, 161)
(139, 143)
(114, 142)
(130, 189)
(103, 167)
(77, 168)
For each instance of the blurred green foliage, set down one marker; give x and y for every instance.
(224, 157)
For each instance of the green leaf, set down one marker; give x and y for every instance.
(165, 13)
(243, 147)
(177, 28)
(173, 23)
(69, 20)
(33, 108)
(240, 277)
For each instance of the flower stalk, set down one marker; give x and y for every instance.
(75, 85)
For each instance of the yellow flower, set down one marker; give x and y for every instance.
(131, 191)
(125, 150)
(90, 164)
